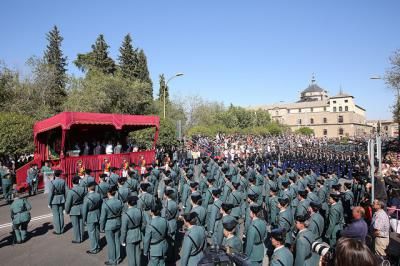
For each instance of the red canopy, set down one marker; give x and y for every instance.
(67, 119)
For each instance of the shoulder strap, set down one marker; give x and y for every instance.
(158, 231)
(259, 234)
(79, 195)
(109, 208)
(280, 262)
(316, 224)
(131, 219)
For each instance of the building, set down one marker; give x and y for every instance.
(333, 117)
(388, 128)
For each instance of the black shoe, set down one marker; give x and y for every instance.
(75, 242)
(92, 252)
(108, 263)
(55, 233)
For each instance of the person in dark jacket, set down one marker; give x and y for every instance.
(358, 229)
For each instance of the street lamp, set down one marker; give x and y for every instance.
(166, 85)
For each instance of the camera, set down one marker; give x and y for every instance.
(322, 249)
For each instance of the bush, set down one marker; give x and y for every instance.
(305, 131)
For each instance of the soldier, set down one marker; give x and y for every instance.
(273, 207)
(198, 208)
(303, 244)
(194, 240)
(20, 216)
(73, 207)
(317, 222)
(236, 199)
(146, 201)
(170, 213)
(123, 192)
(32, 179)
(285, 219)
(103, 187)
(86, 179)
(6, 183)
(335, 219)
(57, 195)
(110, 223)
(113, 177)
(155, 244)
(255, 236)
(131, 231)
(187, 205)
(215, 226)
(131, 183)
(91, 217)
(303, 205)
(348, 198)
(282, 255)
(231, 241)
(311, 195)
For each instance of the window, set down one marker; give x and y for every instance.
(299, 121)
(312, 109)
(334, 101)
(340, 119)
(340, 109)
(276, 112)
(334, 109)
(312, 121)
(325, 132)
(386, 128)
(346, 108)
(288, 111)
(328, 102)
(299, 110)
(324, 109)
(325, 120)
(346, 101)
(341, 131)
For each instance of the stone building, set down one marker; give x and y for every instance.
(388, 128)
(329, 116)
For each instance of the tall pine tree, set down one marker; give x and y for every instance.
(161, 89)
(128, 61)
(56, 62)
(97, 59)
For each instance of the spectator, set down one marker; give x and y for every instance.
(380, 227)
(350, 252)
(358, 229)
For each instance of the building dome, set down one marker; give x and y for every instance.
(313, 92)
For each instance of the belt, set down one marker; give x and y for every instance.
(134, 227)
(112, 218)
(157, 242)
(218, 219)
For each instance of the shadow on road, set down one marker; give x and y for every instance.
(7, 241)
(39, 231)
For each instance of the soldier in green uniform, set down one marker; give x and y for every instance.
(113, 178)
(132, 184)
(215, 226)
(73, 207)
(231, 241)
(32, 179)
(110, 223)
(103, 187)
(86, 179)
(303, 244)
(348, 200)
(316, 222)
(198, 208)
(6, 183)
(236, 199)
(336, 219)
(57, 195)
(131, 231)
(155, 244)
(303, 205)
(285, 219)
(170, 213)
(282, 255)
(187, 205)
(272, 206)
(322, 192)
(20, 216)
(255, 237)
(146, 200)
(194, 240)
(123, 192)
(91, 217)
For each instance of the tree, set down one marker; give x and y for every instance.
(163, 88)
(167, 134)
(56, 63)
(393, 80)
(143, 72)
(16, 136)
(97, 59)
(305, 131)
(128, 61)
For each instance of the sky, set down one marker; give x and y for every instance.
(242, 52)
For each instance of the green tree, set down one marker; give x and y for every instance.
(97, 58)
(16, 134)
(163, 88)
(128, 61)
(56, 63)
(167, 134)
(143, 73)
(305, 131)
(393, 81)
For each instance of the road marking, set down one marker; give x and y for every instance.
(2, 226)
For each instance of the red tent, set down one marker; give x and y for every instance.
(69, 127)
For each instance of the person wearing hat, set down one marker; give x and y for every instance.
(131, 231)
(317, 222)
(226, 209)
(103, 187)
(322, 193)
(227, 187)
(303, 204)
(170, 213)
(231, 241)
(146, 200)
(155, 245)
(272, 207)
(123, 192)
(348, 198)
(91, 217)
(187, 204)
(6, 183)
(20, 216)
(195, 199)
(132, 183)
(194, 240)
(251, 200)
(255, 236)
(57, 195)
(336, 219)
(286, 192)
(282, 255)
(86, 179)
(236, 199)
(73, 207)
(311, 195)
(110, 223)
(32, 178)
(285, 219)
(255, 190)
(336, 188)
(215, 224)
(113, 177)
(147, 179)
(303, 244)
(301, 182)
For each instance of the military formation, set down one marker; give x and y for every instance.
(271, 209)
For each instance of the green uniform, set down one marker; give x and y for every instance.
(57, 195)
(285, 220)
(102, 189)
(335, 223)
(20, 217)
(33, 180)
(132, 184)
(170, 213)
(273, 210)
(91, 217)
(73, 207)
(304, 254)
(234, 244)
(131, 234)
(302, 208)
(216, 229)
(236, 198)
(282, 257)
(6, 185)
(146, 200)
(155, 241)
(255, 236)
(317, 224)
(193, 245)
(201, 214)
(110, 222)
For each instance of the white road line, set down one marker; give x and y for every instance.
(2, 226)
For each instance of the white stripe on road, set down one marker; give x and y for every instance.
(2, 226)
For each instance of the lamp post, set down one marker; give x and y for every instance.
(166, 85)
